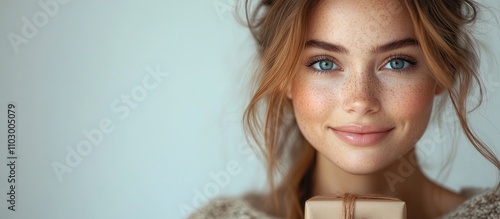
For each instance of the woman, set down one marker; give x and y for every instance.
(359, 78)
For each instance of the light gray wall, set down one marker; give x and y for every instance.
(159, 88)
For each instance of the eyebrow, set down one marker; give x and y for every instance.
(326, 46)
(379, 49)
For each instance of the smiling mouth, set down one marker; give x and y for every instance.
(361, 136)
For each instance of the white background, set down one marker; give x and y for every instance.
(168, 147)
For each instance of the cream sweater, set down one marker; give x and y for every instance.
(476, 207)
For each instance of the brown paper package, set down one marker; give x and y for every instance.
(332, 207)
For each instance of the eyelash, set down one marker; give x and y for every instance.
(405, 58)
(317, 59)
(413, 62)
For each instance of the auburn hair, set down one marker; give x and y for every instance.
(279, 28)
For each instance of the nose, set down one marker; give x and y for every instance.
(360, 93)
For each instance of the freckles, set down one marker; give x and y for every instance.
(365, 90)
(312, 100)
(312, 105)
(413, 100)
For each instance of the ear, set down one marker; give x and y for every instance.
(288, 91)
(438, 90)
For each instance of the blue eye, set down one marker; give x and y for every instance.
(324, 65)
(398, 64)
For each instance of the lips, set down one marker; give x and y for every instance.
(362, 135)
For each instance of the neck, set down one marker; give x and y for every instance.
(401, 179)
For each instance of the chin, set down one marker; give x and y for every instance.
(365, 170)
(362, 163)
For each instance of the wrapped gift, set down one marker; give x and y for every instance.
(350, 206)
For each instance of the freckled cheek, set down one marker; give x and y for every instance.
(313, 101)
(413, 101)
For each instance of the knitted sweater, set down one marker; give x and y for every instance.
(476, 207)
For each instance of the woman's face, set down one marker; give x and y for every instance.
(363, 93)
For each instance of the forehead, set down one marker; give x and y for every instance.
(360, 22)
